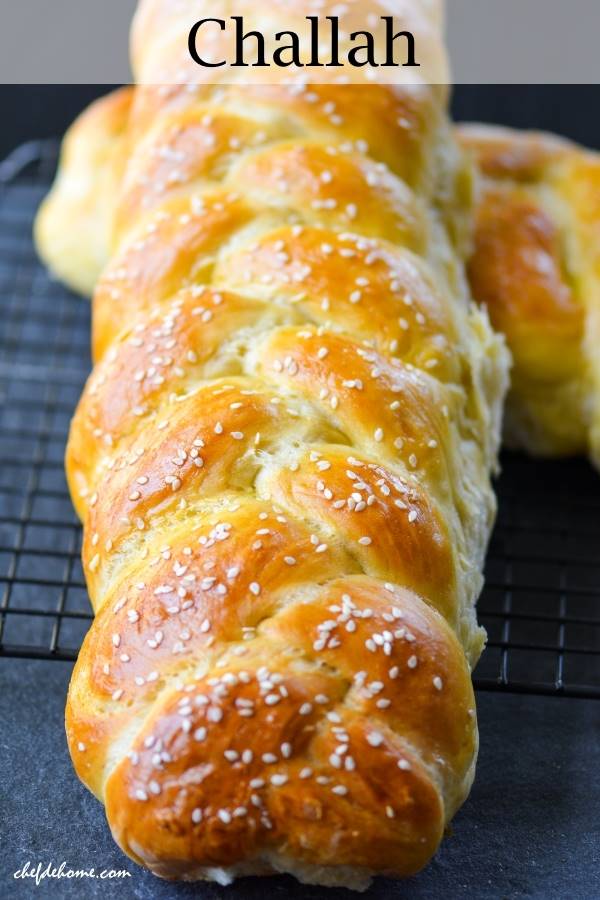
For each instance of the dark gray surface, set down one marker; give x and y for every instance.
(531, 827)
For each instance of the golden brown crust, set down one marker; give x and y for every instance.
(309, 737)
(282, 463)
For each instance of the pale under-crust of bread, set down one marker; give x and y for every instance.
(73, 227)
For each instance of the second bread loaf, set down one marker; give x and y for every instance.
(536, 266)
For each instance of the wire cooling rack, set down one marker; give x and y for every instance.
(541, 604)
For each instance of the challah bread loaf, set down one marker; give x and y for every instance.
(536, 266)
(282, 463)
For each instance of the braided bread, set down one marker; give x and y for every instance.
(536, 265)
(281, 460)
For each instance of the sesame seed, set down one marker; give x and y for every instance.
(278, 780)
(196, 816)
(438, 683)
(375, 739)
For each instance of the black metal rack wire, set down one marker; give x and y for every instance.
(541, 604)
